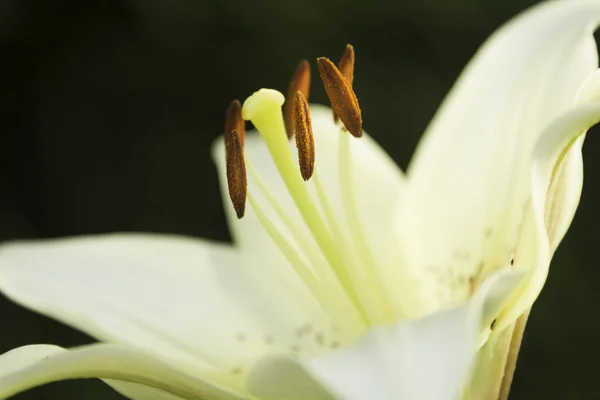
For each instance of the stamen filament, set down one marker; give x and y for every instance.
(311, 281)
(313, 253)
(378, 306)
(348, 252)
(305, 273)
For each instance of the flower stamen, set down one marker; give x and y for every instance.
(234, 120)
(346, 64)
(342, 97)
(305, 141)
(346, 67)
(375, 295)
(236, 171)
(263, 108)
(325, 285)
(300, 82)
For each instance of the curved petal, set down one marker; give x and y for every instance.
(564, 189)
(427, 359)
(30, 366)
(283, 378)
(563, 194)
(489, 366)
(468, 182)
(136, 391)
(378, 186)
(535, 248)
(180, 297)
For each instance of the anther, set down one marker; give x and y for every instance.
(342, 97)
(300, 82)
(234, 120)
(346, 64)
(346, 67)
(236, 171)
(305, 141)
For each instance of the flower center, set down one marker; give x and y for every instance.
(334, 260)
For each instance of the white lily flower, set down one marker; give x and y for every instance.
(359, 283)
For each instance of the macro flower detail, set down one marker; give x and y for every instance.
(347, 279)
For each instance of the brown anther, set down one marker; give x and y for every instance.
(305, 141)
(300, 82)
(346, 67)
(342, 97)
(346, 64)
(234, 120)
(236, 171)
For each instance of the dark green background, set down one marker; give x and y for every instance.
(107, 110)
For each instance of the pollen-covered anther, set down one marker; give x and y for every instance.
(346, 64)
(305, 141)
(300, 82)
(346, 67)
(236, 171)
(234, 120)
(342, 97)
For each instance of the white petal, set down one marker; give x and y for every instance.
(378, 185)
(426, 359)
(135, 391)
(31, 366)
(468, 182)
(563, 194)
(564, 188)
(488, 370)
(283, 378)
(535, 247)
(181, 297)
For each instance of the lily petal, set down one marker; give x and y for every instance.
(552, 149)
(179, 297)
(468, 182)
(378, 187)
(135, 391)
(557, 158)
(564, 189)
(283, 378)
(428, 359)
(30, 366)
(488, 371)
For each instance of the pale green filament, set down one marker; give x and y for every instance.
(347, 250)
(303, 270)
(317, 288)
(263, 108)
(305, 244)
(379, 308)
(318, 264)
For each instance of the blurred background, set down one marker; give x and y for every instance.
(108, 109)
